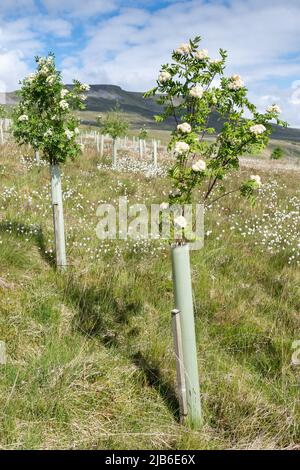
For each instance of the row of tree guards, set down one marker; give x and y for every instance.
(133, 143)
(187, 91)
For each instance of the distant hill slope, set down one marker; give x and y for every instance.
(101, 98)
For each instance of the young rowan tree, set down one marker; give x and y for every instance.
(190, 89)
(45, 119)
(143, 134)
(115, 125)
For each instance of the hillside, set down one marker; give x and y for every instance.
(101, 98)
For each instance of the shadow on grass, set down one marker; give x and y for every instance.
(18, 229)
(100, 314)
(156, 380)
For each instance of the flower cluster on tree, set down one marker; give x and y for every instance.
(191, 88)
(44, 117)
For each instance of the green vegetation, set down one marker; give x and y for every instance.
(90, 352)
(114, 123)
(277, 153)
(143, 134)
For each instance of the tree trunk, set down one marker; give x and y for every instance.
(58, 218)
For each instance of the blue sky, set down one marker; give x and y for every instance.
(125, 43)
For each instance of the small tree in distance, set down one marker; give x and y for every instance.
(277, 153)
(115, 125)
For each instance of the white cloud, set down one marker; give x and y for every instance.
(127, 44)
(261, 38)
(12, 68)
(18, 35)
(80, 8)
(17, 42)
(54, 26)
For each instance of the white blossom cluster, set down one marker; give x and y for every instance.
(181, 147)
(201, 54)
(196, 91)
(164, 77)
(274, 109)
(235, 82)
(184, 128)
(64, 104)
(258, 129)
(183, 49)
(199, 165)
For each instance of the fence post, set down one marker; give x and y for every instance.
(154, 152)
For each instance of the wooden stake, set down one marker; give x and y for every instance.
(179, 363)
